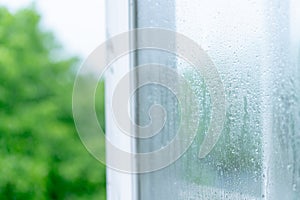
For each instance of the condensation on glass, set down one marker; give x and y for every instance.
(255, 45)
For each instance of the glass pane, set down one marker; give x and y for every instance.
(255, 46)
(251, 45)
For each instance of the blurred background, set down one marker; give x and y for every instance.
(42, 43)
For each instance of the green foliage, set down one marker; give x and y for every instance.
(41, 154)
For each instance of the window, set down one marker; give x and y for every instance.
(255, 48)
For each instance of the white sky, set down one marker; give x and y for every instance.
(78, 24)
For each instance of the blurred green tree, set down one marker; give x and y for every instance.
(41, 156)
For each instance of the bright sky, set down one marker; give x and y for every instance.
(79, 25)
